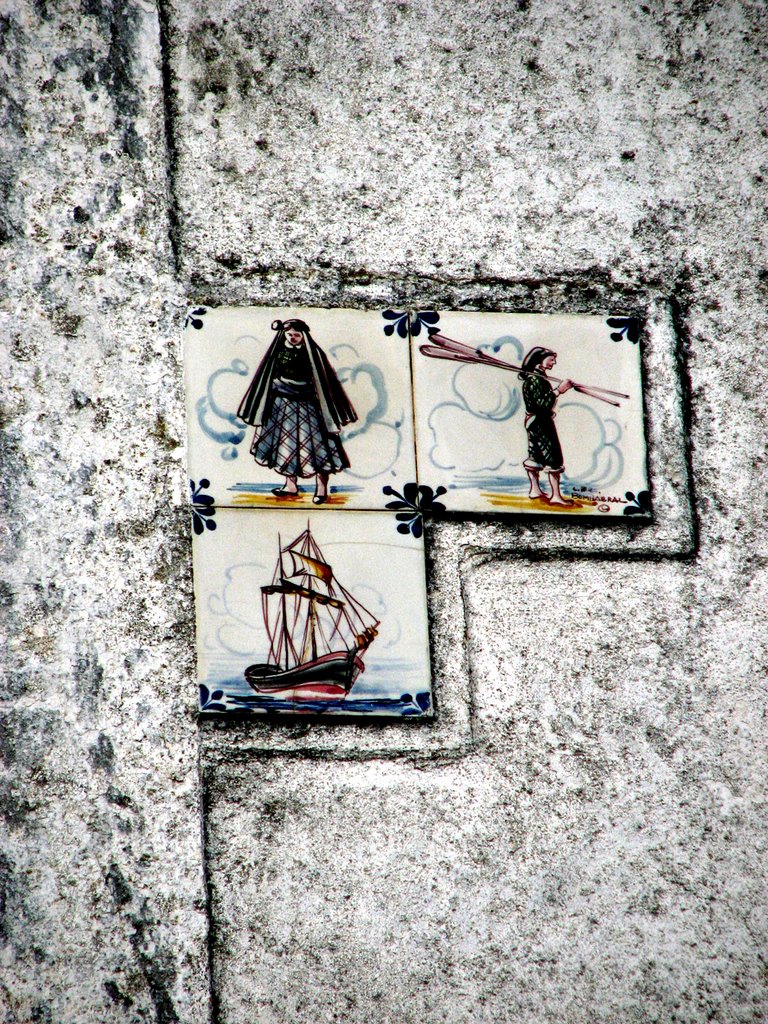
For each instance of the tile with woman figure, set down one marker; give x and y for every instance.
(313, 613)
(297, 408)
(531, 413)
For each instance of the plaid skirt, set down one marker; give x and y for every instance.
(294, 442)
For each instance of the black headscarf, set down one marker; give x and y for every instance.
(335, 408)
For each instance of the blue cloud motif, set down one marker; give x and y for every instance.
(488, 392)
(484, 393)
(235, 616)
(379, 385)
(598, 460)
(382, 434)
(207, 408)
(450, 430)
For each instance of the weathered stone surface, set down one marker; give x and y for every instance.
(564, 884)
(581, 837)
(599, 856)
(480, 144)
(596, 852)
(102, 902)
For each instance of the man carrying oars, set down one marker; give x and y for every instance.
(540, 397)
(544, 451)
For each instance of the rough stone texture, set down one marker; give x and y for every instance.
(465, 144)
(582, 835)
(596, 852)
(102, 897)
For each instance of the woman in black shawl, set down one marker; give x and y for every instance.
(297, 404)
(544, 451)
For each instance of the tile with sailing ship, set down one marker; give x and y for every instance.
(297, 408)
(319, 612)
(531, 413)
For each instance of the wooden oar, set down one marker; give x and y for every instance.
(443, 344)
(446, 348)
(591, 393)
(458, 357)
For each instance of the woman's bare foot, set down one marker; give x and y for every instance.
(289, 487)
(321, 488)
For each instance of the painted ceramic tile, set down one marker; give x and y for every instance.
(531, 413)
(299, 408)
(313, 612)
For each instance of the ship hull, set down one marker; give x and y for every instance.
(329, 677)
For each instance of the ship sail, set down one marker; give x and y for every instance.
(303, 564)
(308, 614)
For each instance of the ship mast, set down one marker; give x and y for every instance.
(333, 621)
(311, 611)
(282, 601)
(312, 623)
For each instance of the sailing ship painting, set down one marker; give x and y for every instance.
(325, 615)
(318, 633)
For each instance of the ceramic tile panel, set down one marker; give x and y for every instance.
(311, 612)
(564, 438)
(334, 411)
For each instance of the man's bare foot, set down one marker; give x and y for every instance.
(535, 491)
(556, 498)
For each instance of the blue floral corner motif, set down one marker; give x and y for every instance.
(203, 507)
(624, 327)
(416, 501)
(398, 322)
(415, 705)
(426, 318)
(193, 317)
(210, 701)
(640, 503)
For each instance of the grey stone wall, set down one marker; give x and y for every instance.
(581, 835)
(102, 907)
